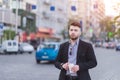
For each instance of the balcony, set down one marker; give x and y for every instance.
(45, 15)
(47, 2)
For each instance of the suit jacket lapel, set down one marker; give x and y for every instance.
(66, 51)
(79, 50)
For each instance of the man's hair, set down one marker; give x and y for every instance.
(74, 23)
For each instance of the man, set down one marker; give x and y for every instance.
(75, 57)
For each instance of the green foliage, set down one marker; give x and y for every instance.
(9, 34)
(118, 33)
(117, 20)
(111, 25)
(110, 34)
(91, 30)
(107, 26)
(117, 23)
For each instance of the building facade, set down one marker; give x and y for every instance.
(27, 13)
(22, 21)
(52, 14)
(98, 9)
(9, 20)
(88, 13)
(56, 14)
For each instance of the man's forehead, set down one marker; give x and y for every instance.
(74, 27)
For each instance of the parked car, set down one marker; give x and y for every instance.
(9, 46)
(25, 48)
(0, 48)
(118, 47)
(111, 45)
(47, 51)
(98, 44)
(105, 44)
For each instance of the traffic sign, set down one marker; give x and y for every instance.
(1, 26)
(1, 29)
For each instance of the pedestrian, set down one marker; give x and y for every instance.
(75, 57)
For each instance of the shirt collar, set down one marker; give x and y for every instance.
(76, 42)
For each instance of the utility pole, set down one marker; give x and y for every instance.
(16, 24)
(2, 22)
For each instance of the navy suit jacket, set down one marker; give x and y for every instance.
(85, 59)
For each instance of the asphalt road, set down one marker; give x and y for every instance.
(24, 67)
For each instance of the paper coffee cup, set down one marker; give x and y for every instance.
(70, 67)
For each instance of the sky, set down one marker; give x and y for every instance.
(109, 7)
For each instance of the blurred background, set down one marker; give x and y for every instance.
(38, 27)
(40, 20)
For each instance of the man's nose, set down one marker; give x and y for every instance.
(73, 31)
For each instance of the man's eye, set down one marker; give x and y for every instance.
(71, 30)
(75, 30)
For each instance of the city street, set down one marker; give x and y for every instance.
(24, 67)
(28, 25)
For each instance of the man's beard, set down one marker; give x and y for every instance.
(75, 38)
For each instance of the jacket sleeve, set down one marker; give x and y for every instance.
(58, 61)
(90, 59)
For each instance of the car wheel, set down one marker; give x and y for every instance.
(30, 52)
(5, 52)
(37, 61)
(15, 53)
(19, 52)
(116, 49)
(52, 62)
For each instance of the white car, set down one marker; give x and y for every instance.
(25, 48)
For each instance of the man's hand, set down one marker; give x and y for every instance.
(65, 66)
(75, 68)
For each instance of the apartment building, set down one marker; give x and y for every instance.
(98, 9)
(52, 14)
(88, 13)
(27, 13)
(9, 20)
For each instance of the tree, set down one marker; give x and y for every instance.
(107, 26)
(9, 34)
(118, 32)
(117, 20)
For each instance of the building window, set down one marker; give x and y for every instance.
(73, 8)
(45, 15)
(52, 8)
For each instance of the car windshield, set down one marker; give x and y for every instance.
(25, 44)
(14, 43)
(49, 46)
(9, 43)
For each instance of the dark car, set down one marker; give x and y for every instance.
(118, 47)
